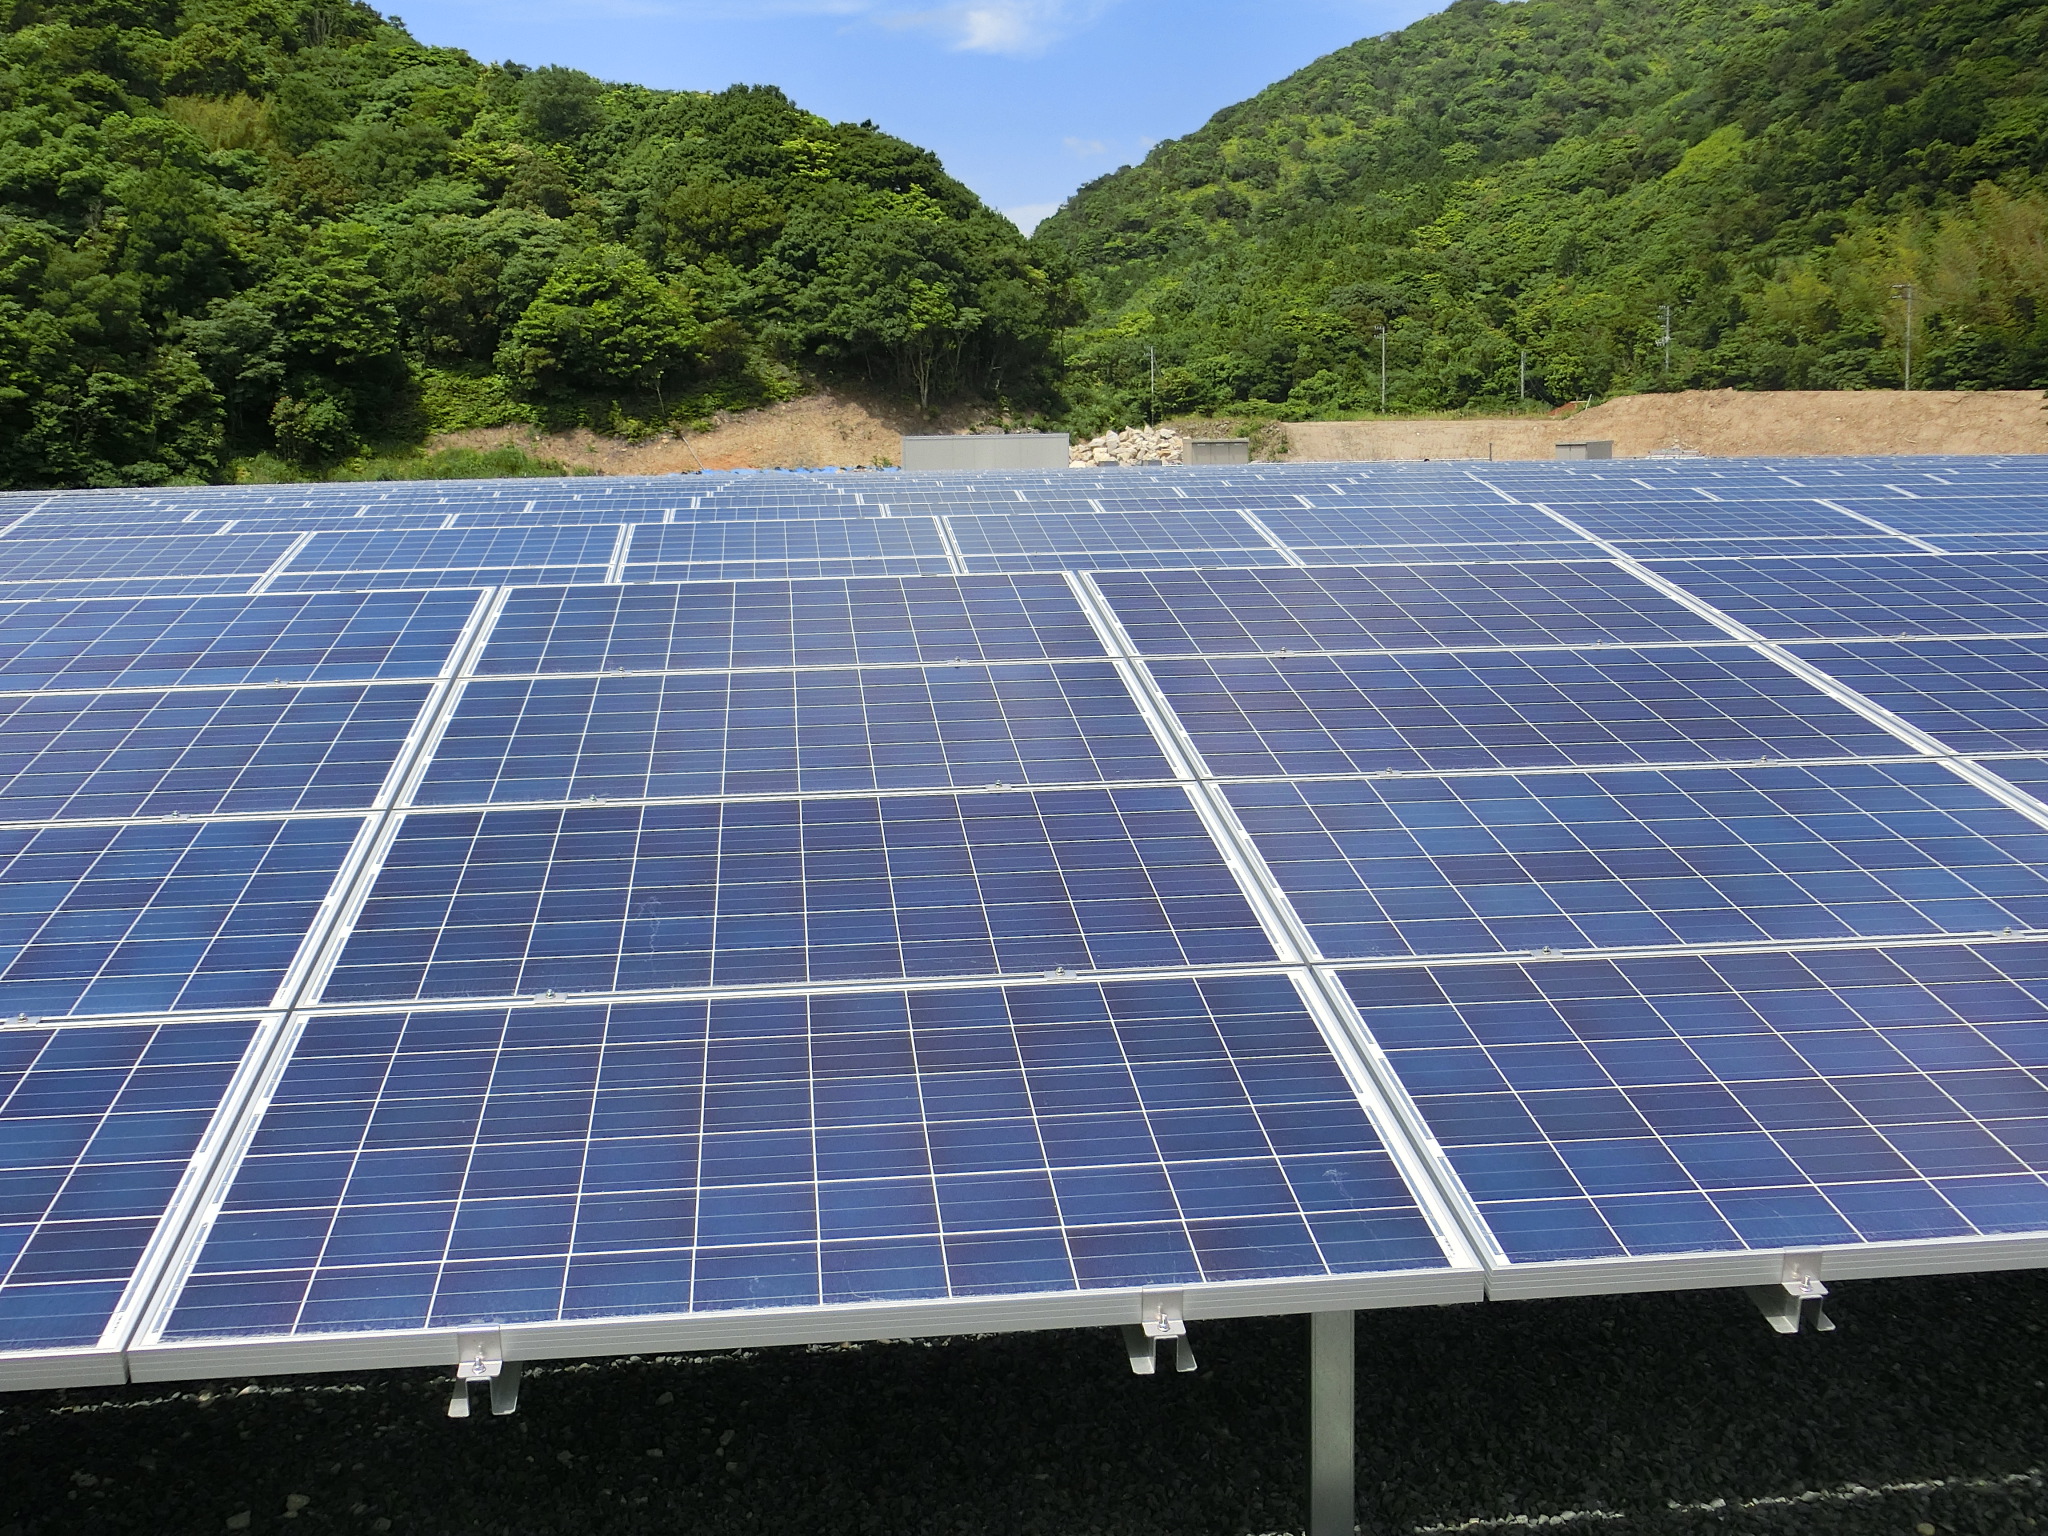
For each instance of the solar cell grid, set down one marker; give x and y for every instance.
(512, 903)
(156, 556)
(1278, 716)
(1137, 560)
(1682, 856)
(823, 623)
(1684, 1104)
(134, 586)
(457, 549)
(436, 580)
(1765, 549)
(199, 752)
(1130, 532)
(1976, 695)
(1437, 554)
(175, 642)
(159, 916)
(97, 1126)
(422, 1170)
(818, 539)
(790, 732)
(1340, 608)
(1709, 520)
(1498, 523)
(1820, 598)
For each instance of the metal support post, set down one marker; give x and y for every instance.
(1332, 1474)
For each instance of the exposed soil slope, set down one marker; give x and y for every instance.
(825, 427)
(1719, 422)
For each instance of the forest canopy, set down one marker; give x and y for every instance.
(1516, 192)
(285, 228)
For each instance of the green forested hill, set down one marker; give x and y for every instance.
(283, 227)
(1547, 174)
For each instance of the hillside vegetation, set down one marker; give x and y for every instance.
(1546, 175)
(284, 229)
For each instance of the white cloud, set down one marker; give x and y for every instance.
(1019, 28)
(1085, 147)
(1030, 215)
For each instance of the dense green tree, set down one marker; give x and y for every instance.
(603, 321)
(1548, 176)
(285, 226)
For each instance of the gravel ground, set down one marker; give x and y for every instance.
(1922, 1413)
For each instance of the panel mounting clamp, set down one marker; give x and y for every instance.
(1784, 1304)
(1159, 1320)
(481, 1357)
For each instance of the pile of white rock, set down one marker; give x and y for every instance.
(1134, 445)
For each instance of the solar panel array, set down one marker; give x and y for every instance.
(567, 917)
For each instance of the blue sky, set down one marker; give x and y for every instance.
(1023, 99)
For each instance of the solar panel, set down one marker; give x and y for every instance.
(154, 557)
(155, 917)
(759, 908)
(431, 1170)
(766, 732)
(97, 1128)
(1684, 1105)
(169, 643)
(200, 751)
(1566, 861)
(1925, 595)
(1373, 608)
(1278, 716)
(513, 903)
(776, 624)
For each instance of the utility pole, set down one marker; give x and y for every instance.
(1152, 359)
(1665, 343)
(1907, 290)
(1381, 332)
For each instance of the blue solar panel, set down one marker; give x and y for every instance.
(1083, 538)
(1716, 549)
(1922, 595)
(1342, 524)
(1436, 554)
(511, 903)
(1279, 716)
(144, 919)
(1150, 560)
(434, 1170)
(1953, 514)
(170, 642)
(134, 586)
(1600, 1108)
(1340, 608)
(790, 733)
(1630, 521)
(97, 1126)
(657, 546)
(1976, 695)
(940, 927)
(1568, 861)
(436, 580)
(199, 752)
(456, 549)
(823, 623)
(106, 558)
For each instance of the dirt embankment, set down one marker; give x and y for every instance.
(1719, 422)
(847, 428)
(825, 427)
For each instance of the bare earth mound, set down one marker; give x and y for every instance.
(822, 428)
(851, 429)
(1718, 422)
